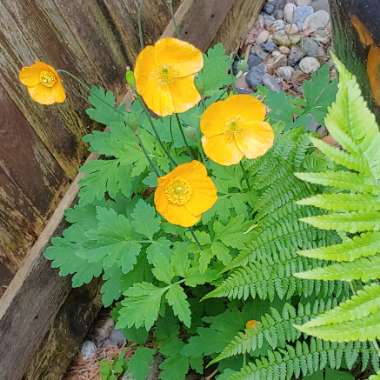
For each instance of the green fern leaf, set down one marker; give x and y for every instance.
(365, 245)
(363, 269)
(352, 222)
(343, 202)
(365, 303)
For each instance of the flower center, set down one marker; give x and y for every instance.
(165, 74)
(47, 78)
(233, 128)
(178, 191)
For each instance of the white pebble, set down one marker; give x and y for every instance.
(317, 20)
(309, 64)
(289, 12)
(303, 2)
(285, 72)
(88, 349)
(262, 37)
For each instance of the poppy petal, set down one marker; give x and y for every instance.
(180, 216)
(215, 119)
(184, 94)
(246, 106)
(222, 149)
(255, 139)
(30, 76)
(184, 58)
(203, 197)
(45, 95)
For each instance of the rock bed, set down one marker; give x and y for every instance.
(289, 41)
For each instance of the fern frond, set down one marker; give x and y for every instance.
(342, 180)
(265, 280)
(361, 311)
(363, 269)
(305, 359)
(275, 328)
(353, 162)
(343, 202)
(351, 222)
(364, 245)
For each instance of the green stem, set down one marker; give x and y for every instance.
(139, 23)
(183, 134)
(245, 175)
(138, 137)
(155, 130)
(195, 238)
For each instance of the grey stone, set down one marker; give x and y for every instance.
(268, 21)
(295, 55)
(300, 15)
(117, 338)
(271, 82)
(255, 75)
(276, 60)
(321, 35)
(291, 29)
(303, 2)
(269, 8)
(254, 60)
(318, 20)
(262, 37)
(294, 39)
(284, 50)
(269, 46)
(289, 12)
(241, 85)
(278, 14)
(278, 25)
(281, 38)
(310, 47)
(309, 64)
(88, 349)
(285, 72)
(321, 5)
(258, 49)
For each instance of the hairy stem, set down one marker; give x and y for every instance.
(148, 115)
(245, 175)
(183, 135)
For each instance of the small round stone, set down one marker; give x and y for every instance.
(317, 20)
(262, 37)
(295, 55)
(300, 15)
(271, 82)
(254, 60)
(268, 21)
(117, 338)
(303, 2)
(255, 75)
(310, 47)
(269, 8)
(269, 46)
(241, 85)
(278, 25)
(289, 12)
(88, 349)
(278, 14)
(281, 38)
(309, 65)
(284, 50)
(285, 72)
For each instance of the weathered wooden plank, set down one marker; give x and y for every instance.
(36, 174)
(154, 16)
(198, 21)
(238, 22)
(32, 300)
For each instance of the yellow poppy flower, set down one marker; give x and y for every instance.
(43, 83)
(235, 128)
(184, 194)
(165, 76)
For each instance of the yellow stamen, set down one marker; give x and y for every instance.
(47, 78)
(165, 74)
(178, 191)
